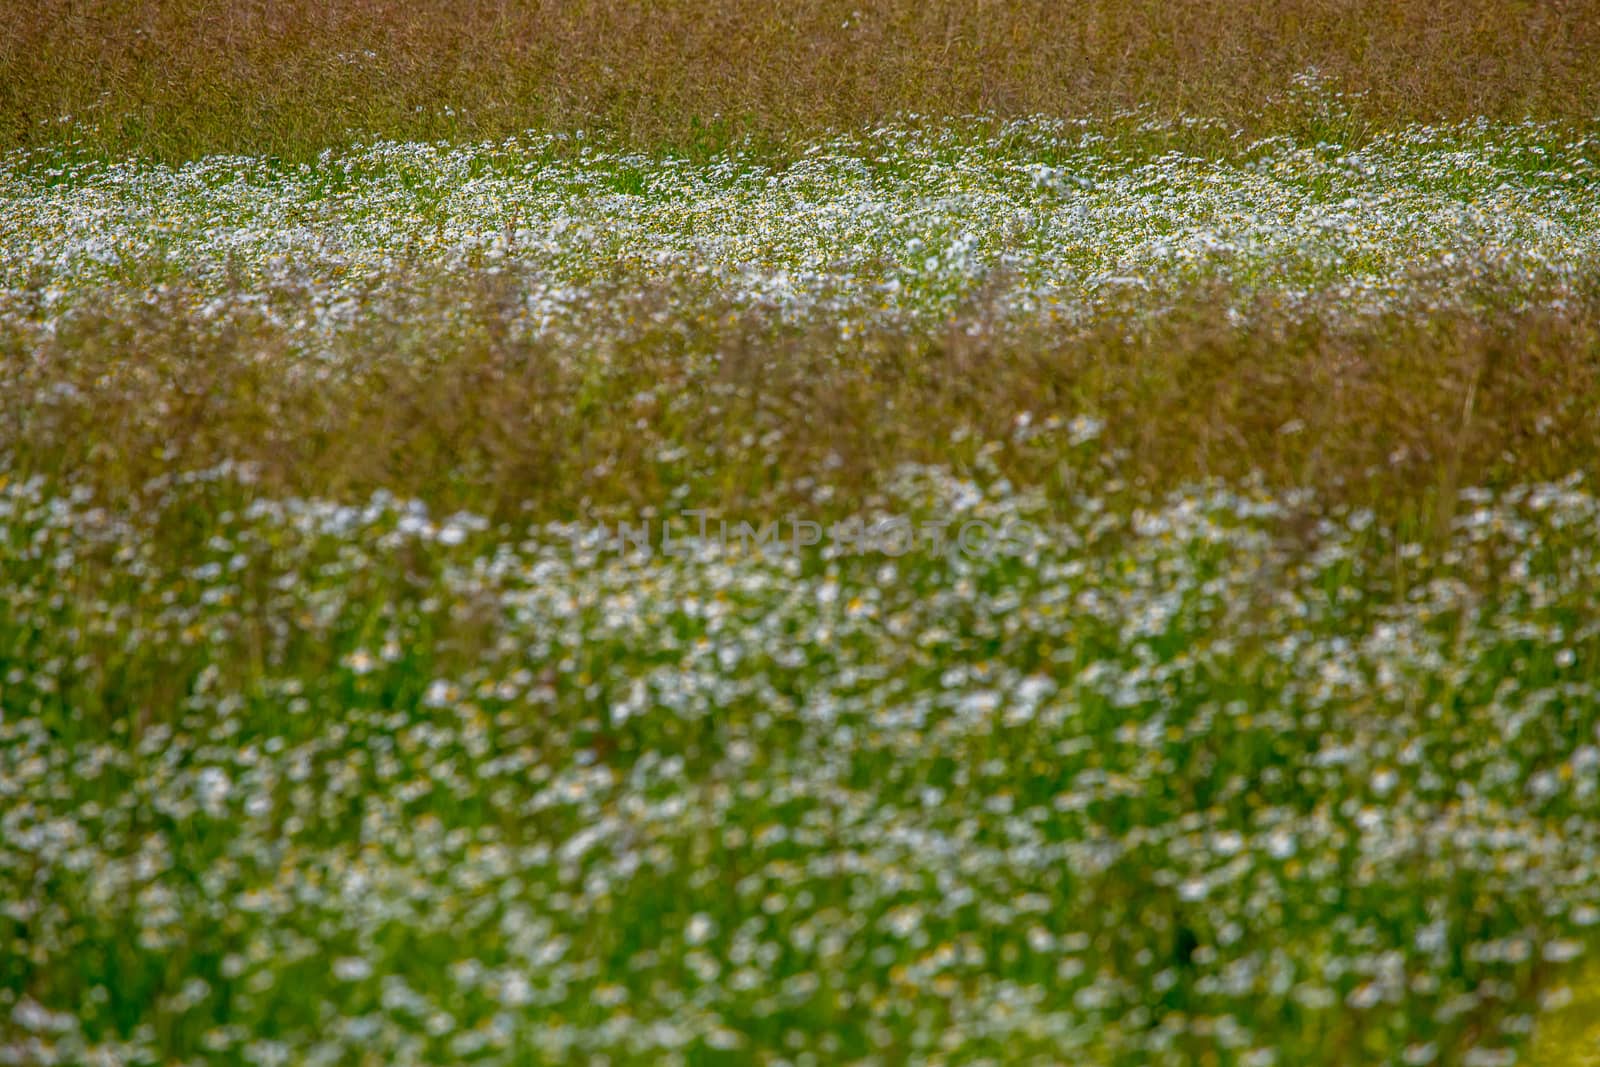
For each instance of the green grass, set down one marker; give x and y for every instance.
(1118, 797)
(1571, 1037)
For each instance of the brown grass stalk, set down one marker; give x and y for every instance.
(1393, 411)
(177, 78)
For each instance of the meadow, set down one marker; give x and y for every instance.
(354, 707)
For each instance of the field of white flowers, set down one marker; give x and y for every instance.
(1226, 776)
(897, 226)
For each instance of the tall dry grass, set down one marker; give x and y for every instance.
(176, 78)
(728, 410)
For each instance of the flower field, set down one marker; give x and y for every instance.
(340, 721)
